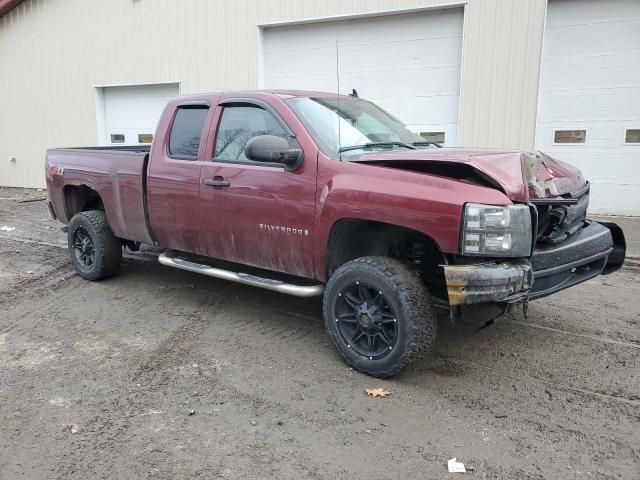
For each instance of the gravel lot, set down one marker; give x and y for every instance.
(159, 373)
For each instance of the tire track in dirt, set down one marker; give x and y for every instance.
(630, 400)
(155, 370)
(603, 339)
(547, 412)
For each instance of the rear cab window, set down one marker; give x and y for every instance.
(186, 132)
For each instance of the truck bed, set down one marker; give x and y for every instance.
(117, 174)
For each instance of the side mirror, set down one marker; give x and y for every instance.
(272, 149)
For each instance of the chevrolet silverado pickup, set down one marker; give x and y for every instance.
(309, 193)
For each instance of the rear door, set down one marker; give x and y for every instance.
(267, 212)
(173, 181)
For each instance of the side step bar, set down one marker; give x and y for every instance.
(171, 259)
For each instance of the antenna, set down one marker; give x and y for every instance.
(338, 92)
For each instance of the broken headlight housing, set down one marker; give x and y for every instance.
(496, 231)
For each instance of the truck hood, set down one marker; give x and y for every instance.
(522, 176)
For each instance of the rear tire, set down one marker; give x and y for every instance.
(379, 298)
(94, 251)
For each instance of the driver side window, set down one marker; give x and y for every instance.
(238, 125)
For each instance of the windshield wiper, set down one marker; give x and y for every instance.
(365, 146)
(427, 143)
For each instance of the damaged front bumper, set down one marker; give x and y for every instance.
(599, 248)
(487, 282)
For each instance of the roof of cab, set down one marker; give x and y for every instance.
(303, 93)
(281, 93)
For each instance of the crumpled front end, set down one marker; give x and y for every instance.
(547, 177)
(596, 249)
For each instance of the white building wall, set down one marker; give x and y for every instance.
(53, 53)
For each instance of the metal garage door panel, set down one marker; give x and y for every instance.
(592, 104)
(418, 82)
(613, 70)
(409, 64)
(441, 23)
(134, 110)
(600, 36)
(591, 81)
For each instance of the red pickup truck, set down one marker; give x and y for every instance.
(309, 193)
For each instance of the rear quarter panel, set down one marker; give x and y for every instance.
(115, 176)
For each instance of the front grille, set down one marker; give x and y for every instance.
(561, 217)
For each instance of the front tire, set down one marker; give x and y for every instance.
(94, 251)
(378, 315)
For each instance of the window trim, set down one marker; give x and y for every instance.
(191, 105)
(239, 102)
(564, 144)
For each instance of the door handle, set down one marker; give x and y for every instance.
(217, 182)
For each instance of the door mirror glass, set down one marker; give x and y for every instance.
(273, 149)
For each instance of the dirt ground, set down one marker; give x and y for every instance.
(159, 373)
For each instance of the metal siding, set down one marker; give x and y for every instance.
(55, 52)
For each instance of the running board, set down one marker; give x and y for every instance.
(171, 259)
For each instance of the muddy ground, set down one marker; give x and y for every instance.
(159, 373)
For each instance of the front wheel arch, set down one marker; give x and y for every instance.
(354, 238)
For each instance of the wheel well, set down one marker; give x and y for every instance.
(352, 238)
(79, 198)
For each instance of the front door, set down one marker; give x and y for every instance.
(267, 212)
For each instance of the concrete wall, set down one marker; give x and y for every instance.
(53, 53)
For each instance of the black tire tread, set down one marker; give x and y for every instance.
(414, 296)
(106, 244)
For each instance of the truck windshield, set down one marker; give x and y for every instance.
(351, 125)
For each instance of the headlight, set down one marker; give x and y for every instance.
(495, 231)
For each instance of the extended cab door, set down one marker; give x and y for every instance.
(268, 214)
(173, 179)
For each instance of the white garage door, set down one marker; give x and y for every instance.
(409, 64)
(131, 113)
(589, 108)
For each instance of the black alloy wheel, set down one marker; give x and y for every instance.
(83, 248)
(366, 321)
